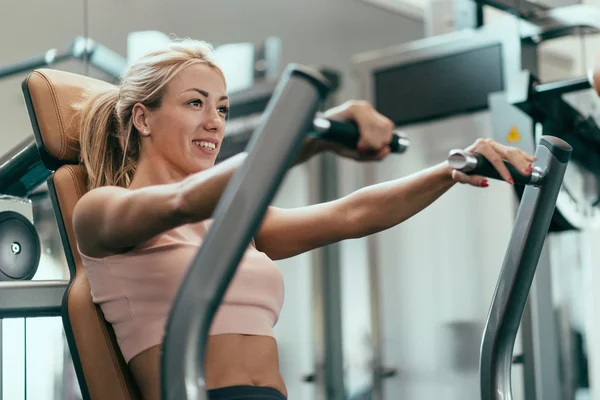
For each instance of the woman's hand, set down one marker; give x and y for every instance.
(375, 130)
(496, 154)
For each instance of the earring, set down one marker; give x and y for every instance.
(146, 131)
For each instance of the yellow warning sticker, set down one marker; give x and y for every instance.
(513, 135)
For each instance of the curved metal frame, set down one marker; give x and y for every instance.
(518, 270)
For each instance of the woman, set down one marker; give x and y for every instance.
(149, 148)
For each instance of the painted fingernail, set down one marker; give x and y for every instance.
(511, 181)
(485, 183)
(362, 148)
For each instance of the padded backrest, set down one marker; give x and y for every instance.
(49, 96)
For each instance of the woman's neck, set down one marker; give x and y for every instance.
(155, 171)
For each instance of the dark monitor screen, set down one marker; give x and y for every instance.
(441, 87)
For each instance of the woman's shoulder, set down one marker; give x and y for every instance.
(102, 190)
(100, 195)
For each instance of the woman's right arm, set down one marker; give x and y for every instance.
(110, 220)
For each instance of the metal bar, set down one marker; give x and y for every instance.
(252, 100)
(21, 169)
(236, 218)
(50, 57)
(375, 304)
(529, 384)
(317, 377)
(561, 87)
(546, 353)
(332, 293)
(522, 255)
(20, 299)
(99, 56)
(522, 8)
(560, 22)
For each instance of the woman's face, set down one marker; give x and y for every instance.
(187, 129)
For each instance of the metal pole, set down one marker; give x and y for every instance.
(541, 355)
(332, 292)
(375, 306)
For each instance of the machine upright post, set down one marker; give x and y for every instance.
(518, 270)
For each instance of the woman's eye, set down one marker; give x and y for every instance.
(224, 110)
(196, 103)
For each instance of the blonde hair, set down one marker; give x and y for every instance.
(110, 143)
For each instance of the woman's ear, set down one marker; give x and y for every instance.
(139, 117)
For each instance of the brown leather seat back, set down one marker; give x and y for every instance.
(50, 96)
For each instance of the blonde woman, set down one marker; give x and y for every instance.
(149, 147)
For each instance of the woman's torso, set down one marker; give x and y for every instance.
(135, 291)
(231, 360)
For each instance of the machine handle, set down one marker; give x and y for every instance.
(477, 164)
(346, 133)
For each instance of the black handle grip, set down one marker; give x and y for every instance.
(347, 134)
(477, 164)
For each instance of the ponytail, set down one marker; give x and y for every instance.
(104, 140)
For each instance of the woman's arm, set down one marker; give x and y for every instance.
(288, 232)
(110, 220)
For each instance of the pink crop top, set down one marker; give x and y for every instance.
(135, 290)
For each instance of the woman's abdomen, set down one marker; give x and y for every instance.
(231, 360)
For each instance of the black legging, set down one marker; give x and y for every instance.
(245, 393)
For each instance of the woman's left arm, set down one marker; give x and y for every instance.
(288, 232)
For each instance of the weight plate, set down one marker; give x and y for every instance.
(20, 249)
